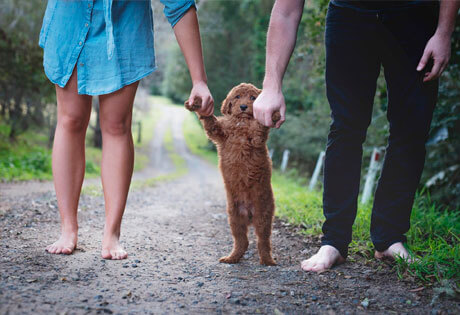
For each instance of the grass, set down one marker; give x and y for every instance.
(433, 237)
(29, 157)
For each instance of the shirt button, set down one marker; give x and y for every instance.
(89, 5)
(80, 43)
(86, 24)
(82, 64)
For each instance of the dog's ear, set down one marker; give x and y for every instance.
(226, 108)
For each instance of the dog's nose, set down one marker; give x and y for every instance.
(243, 107)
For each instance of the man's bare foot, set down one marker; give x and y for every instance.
(65, 244)
(324, 259)
(394, 251)
(111, 248)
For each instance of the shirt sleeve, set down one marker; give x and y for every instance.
(176, 9)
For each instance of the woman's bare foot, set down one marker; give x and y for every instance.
(324, 259)
(394, 251)
(111, 248)
(65, 244)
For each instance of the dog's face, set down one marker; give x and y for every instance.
(240, 100)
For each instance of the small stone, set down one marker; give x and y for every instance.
(365, 303)
(235, 301)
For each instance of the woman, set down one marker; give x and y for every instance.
(104, 47)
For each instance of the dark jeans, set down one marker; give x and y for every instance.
(357, 45)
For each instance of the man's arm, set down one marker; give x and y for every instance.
(438, 47)
(281, 40)
(188, 36)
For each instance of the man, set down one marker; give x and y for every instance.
(411, 39)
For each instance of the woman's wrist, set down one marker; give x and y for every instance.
(201, 81)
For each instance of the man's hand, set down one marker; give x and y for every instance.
(200, 91)
(268, 102)
(438, 48)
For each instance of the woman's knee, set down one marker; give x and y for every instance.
(116, 127)
(73, 123)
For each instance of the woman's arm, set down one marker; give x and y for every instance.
(188, 36)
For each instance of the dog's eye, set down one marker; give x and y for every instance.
(237, 97)
(252, 98)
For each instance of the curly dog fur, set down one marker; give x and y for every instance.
(246, 170)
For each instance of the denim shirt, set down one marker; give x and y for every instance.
(69, 24)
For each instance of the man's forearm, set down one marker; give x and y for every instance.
(447, 13)
(281, 40)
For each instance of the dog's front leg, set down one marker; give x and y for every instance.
(211, 124)
(213, 128)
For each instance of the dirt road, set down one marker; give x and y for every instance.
(174, 233)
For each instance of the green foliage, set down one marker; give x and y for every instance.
(176, 84)
(305, 132)
(30, 164)
(443, 158)
(24, 89)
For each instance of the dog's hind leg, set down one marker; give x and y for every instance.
(239, 226)
(262, 220)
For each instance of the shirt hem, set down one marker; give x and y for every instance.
(108, 91)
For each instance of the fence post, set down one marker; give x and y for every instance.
(270, 153)
(316, 172)
(285, 160)
(374, 167)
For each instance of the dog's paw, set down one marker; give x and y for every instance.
(268, 262)
(229, 260)
(276, 116)
(193, 107)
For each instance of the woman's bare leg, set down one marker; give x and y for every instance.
(73, 112)
(117, 163)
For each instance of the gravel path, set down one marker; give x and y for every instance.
(174, 233)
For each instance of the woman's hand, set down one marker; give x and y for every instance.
(200, 90)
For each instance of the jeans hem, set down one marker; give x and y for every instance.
(343, 249)
(383, 246)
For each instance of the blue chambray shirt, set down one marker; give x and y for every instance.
(109, 42)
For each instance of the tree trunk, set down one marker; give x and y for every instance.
(14, 117)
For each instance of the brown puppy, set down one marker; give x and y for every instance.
(246, 169)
